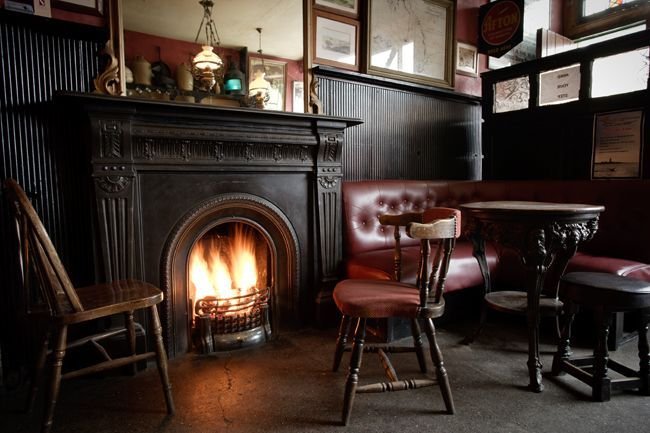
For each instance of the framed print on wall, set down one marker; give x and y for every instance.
(273, 76)
(298, 97)
(95, 7)
(346, 7)
(336, 41)
(412, 41)
(466, 59)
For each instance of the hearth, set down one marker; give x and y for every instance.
(168, 176)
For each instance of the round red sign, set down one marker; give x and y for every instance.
(501, 23)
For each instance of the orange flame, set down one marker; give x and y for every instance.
(224, 268)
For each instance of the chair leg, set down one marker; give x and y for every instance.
(644, 349)
(355, 365)
(601, 387)
(441, 373)
(564, 345)
(37, 376)
(55, 381)
(161, 360)
(417, 343)
(130, 329)
(344, 330)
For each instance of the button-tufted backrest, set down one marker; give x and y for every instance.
(624, 231)
(364, 201)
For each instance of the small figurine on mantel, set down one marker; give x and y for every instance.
(315, 103)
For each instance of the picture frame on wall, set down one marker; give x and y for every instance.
(273, 75)
(298, 97)
(345, 7)
(618, 145)
(466, 59)
(335, 41)
(94, 7)
(413, 42)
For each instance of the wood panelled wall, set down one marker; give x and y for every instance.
(37, 58)
(409, 131)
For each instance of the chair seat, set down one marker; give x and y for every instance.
(613, 292)
(111, 298)
(375, 299)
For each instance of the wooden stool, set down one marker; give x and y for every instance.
(604, 294)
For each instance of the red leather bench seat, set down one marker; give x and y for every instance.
(621, 245)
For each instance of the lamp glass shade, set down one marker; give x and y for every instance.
(259, 85)
(207, 58)
(232, 84)
(233, 80)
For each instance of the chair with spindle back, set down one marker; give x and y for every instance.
(67, 305)
(362, 299)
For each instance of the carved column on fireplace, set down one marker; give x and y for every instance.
(329, 174)
(153, 161)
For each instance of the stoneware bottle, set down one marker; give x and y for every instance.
(141, 71)
(184, 78)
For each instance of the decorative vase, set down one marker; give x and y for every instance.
(141, 71)
(184, 77)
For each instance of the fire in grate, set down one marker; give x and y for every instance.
(226, 270)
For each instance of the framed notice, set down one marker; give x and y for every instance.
(617, 145)
(466, 59)
(412, 40)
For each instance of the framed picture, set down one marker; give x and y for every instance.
(412, 41)
(618, 138)
(270, 76)
(466, 59)
(336, 41)
(298, 97)
(346, 7)
(95, 7)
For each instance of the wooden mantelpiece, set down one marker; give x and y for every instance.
(152, 162)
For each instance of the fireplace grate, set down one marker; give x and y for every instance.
(231, 323)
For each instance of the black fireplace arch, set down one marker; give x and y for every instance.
(268, 220)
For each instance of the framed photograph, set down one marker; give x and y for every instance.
(412, 41)
(617, 145)
(346, 7)
(270, 76)
(336, 41)
(466, 59)
(298, 97)
(94, 7)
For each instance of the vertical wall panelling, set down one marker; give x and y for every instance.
(409, 131)
(36, 61)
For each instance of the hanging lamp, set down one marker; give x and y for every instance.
(206, 63)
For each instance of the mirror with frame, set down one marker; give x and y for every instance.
(155, 43)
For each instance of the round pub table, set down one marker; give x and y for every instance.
(544, 236)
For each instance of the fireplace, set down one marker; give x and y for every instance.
(232, 269)
(168, 176)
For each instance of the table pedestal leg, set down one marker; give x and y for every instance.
(532, 316)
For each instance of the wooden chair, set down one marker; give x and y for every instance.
(42, 268)
(375, 299)
(604, 294)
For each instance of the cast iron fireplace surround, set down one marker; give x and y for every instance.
(164, 173)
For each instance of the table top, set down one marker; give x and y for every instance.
(531, 207)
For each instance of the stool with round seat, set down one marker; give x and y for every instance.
(604, 294)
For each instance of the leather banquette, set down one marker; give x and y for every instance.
(621, 245)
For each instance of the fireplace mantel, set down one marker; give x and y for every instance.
(150, 159)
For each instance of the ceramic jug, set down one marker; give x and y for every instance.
(184, 78)
(141, 71)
